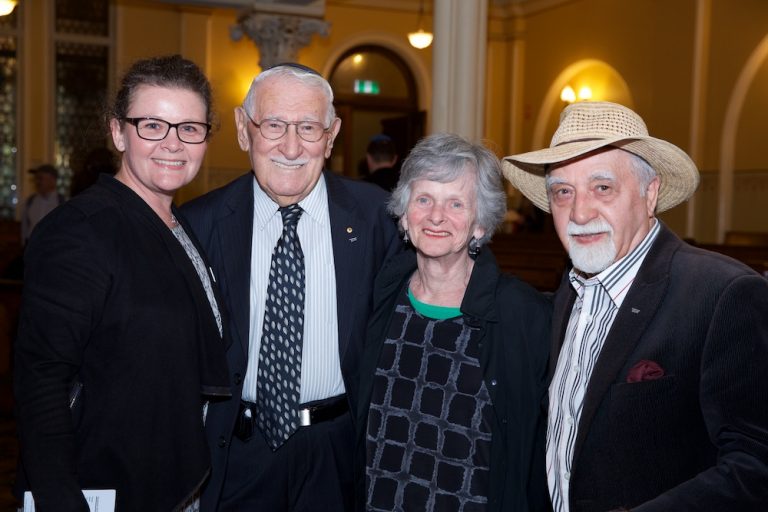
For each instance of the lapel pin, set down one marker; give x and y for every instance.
(349, 229)
(635, 310)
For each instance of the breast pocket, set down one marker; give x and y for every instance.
(640, 415)
(639, 402)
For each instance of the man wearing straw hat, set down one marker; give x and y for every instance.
(659, 391)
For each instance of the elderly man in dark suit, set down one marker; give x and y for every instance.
(659, 383)
(295, 250)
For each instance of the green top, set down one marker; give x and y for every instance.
(432, 311)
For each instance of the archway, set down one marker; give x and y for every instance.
(728, 139)
(375, 92)
(605, 83)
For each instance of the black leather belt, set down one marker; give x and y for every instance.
(310, 414)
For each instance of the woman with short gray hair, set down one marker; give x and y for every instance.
(453, 375)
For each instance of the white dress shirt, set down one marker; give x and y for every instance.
(597, 302)
(320, 364)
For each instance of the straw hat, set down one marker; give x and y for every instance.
(587, 126)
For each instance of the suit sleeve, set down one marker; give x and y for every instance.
(390, 233)
(539, 325)
(734, 405)
(63, 288)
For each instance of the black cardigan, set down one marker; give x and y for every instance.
(515, 323)
(111, 299)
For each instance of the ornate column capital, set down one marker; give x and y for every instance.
(279, 37)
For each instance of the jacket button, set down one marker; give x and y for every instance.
(238, 379)
(222, 442)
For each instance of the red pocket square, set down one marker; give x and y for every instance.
(645, 370)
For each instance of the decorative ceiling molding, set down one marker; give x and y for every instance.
(522, 8)
(313, 8)
(316, 8)
(279, 37)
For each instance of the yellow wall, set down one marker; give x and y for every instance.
(204, 36)
(651, 44)
(35, 96)
(645, 47)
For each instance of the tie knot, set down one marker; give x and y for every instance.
(291, 214)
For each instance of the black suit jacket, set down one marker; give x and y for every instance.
(695, 439)
(363, 236)
(112, 300)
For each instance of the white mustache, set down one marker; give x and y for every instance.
(591, 228)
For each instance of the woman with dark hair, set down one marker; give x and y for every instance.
(120, 337)
(453, 376)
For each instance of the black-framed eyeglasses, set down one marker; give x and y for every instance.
(151, 128)
(273, 129)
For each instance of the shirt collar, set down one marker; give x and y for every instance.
(617, 278)
(314, 205)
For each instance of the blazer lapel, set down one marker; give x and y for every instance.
(561, 314)
(636, 312)
(348, 240)
(235, 232)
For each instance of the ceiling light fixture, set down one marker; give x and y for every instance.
(421, 38)
(7, 6)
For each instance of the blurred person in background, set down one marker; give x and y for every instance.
(381, 157)
(42, 202)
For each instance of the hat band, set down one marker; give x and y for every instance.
(572, 141)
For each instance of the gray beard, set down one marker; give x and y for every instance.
(594, 258)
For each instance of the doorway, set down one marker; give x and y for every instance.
(375, 92)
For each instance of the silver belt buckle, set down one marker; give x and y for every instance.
(304, 418)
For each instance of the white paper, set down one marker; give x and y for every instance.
(99, 500)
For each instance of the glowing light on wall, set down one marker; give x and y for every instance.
(585, 93)
(7, 6)
(568, 95)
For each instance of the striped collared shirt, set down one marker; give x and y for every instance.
(320, 364)
(598, 300)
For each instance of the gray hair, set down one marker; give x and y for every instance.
(300, 74)
(444, 157)
(642, 171)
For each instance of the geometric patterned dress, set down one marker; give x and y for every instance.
(428, 437)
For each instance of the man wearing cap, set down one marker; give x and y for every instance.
(294, 250)
(40, 203)
(658, 399)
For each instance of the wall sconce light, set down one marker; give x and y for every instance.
(421, 38)
(585, 93)
(568, 95)
(7, 6)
